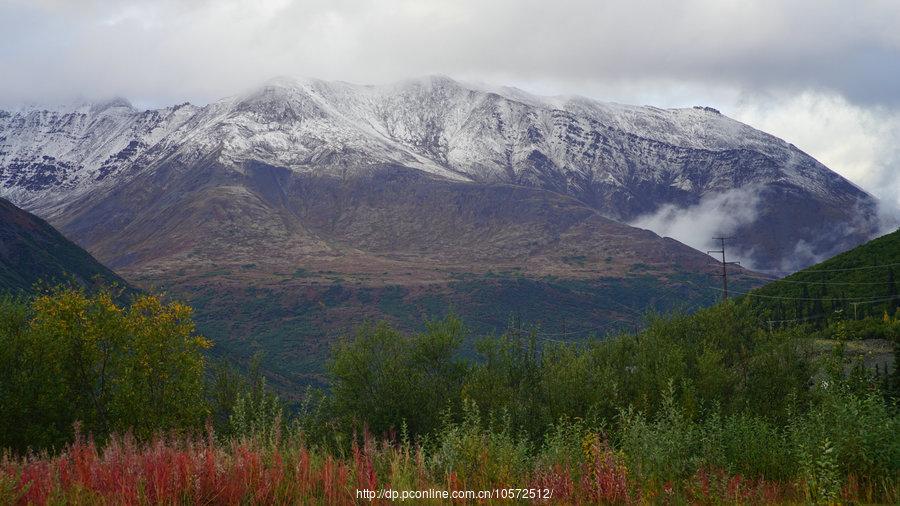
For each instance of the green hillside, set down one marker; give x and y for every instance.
(853, 285)
(32, 251)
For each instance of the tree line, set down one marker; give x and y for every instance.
(72, 361)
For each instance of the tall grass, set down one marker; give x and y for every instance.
(668, 458)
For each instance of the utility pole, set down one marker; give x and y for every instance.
(725, 264)
(855, 305)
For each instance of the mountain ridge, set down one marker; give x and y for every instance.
(628, 162)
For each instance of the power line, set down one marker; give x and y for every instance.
(816, 282)
(561, 334)
(825, 299)
(816, 317)
(604, 327)
(882, 266)
(773, 322)
(544, 335)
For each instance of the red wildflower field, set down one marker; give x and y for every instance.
(206, 471)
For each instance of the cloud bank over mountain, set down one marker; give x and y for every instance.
(209, 48)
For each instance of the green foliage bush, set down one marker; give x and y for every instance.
(382, 378)
(710, 391)
(747, 445)
(866, 328)
(859, 431)
(257, 412)
(69, 357)
(564, 443)
(664, 449)
(480, 452)
(716, 359)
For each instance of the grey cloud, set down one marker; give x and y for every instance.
(208, 48)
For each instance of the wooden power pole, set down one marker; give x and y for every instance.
(725, 264)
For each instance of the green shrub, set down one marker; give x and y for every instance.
(71, 357)
(664, 449)
(859, 432)
(479, 452)
(747, 445)
(381, 378)
(257, 412)
(564, 444)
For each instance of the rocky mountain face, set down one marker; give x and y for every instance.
(31, 251)
(631, 164)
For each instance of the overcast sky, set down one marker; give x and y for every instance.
(823, 74)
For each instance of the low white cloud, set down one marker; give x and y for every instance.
(716, 215)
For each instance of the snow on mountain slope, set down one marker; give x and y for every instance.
(434, 124)
(48, 156)
(628, 162)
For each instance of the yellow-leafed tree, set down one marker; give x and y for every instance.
(67, 357)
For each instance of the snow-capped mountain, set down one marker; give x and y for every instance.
(629, 163)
